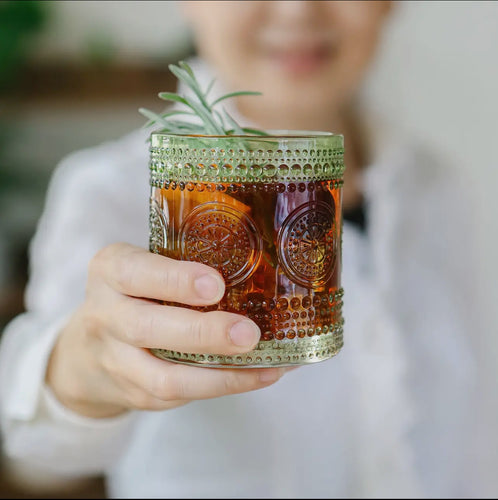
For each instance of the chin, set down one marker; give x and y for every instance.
(310, 98)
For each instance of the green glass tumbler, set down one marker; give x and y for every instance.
(265, 211)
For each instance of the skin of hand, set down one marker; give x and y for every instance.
(101, 366)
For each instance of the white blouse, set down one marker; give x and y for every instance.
(392, 415)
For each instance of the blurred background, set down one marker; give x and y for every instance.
(74, 73)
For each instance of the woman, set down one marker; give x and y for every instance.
(388, 416)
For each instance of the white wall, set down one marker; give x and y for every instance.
(437, 77)
(140, 30)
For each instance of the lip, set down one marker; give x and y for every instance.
(297, 55)
(301, 59)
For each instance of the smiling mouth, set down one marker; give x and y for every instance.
(299, 59)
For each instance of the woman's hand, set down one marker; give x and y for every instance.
(100, 366)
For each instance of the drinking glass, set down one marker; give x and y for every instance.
(265, 211)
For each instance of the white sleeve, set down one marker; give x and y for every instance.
(94, 199)
(37, 429)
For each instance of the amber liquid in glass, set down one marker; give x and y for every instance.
(276, 245)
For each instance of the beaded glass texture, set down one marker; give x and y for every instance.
(266, 213)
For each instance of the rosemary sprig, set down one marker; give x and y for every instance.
(212, 121)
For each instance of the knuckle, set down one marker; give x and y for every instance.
(159, 387)
(104, 255)
(209, 331)
(177, 389)
(106, 252)
(109, 365)
(169, 279)
(254, 382)
(112, 263)
(140, 400)
(94, 322)
(232, 383)
(175, 280)
(95, 265)
(124, 273)
(196, 331)
(137, 329)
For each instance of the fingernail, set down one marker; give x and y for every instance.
(244, 333)
(209, 287)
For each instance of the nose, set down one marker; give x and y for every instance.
(294, 10)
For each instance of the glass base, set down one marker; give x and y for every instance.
(271, 353)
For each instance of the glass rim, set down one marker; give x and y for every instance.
(272, 134)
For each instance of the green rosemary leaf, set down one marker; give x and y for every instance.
(177, 112)
(233, 123)
(153, 117)
(213, 122)
(187, 68)
(220, 118)
(211, 126)
(189, 79)
(254, 131)
(194, 127)
(170, 96)
(234, 94)
(210, 86)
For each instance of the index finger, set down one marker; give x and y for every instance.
(134, 271)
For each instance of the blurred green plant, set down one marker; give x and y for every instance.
(100, 48)
(19, 21)
(15, 179)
